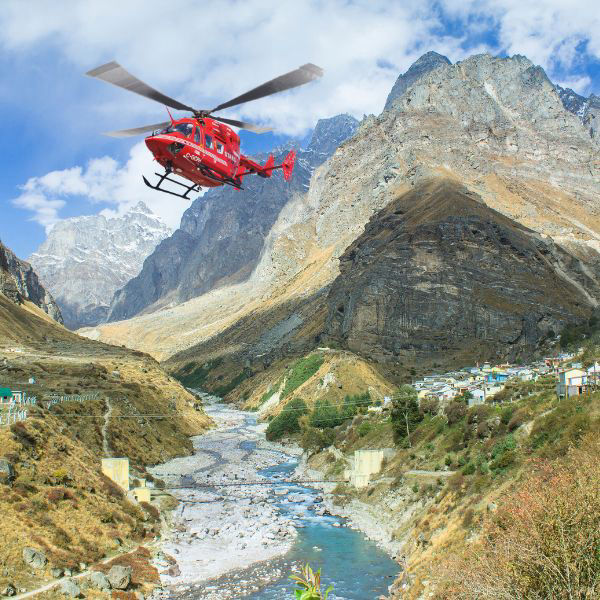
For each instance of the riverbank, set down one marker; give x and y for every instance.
(373, 520)
(226, 520)
(242, 526)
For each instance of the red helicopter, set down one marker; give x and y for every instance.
(202, 148)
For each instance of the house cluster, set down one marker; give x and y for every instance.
(484, 381)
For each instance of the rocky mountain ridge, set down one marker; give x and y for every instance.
(84, 260)
(496, 125)
(222, 233)
(19, 282)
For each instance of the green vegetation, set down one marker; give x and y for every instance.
(574, 334)
(223, 390)
(309, 585)
(288, 420)
(355, 404)
(325, 414)
(194, 376)
(300, 372)
(405, 414)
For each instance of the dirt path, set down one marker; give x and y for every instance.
(107, 414)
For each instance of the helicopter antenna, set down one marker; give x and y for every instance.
(170, 115)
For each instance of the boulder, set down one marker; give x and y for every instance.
(119, 577)
(70, 588)
(7, 472)
(9, 590)
(36, 559)
(100, 580)
(57, 572)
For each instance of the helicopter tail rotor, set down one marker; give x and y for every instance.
(288, 165)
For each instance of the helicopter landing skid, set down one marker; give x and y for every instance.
(188, 188)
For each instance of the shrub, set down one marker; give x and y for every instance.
(364, 428)
(405, 414)
(301, 371)
(542, 542)
(353, 404)
(287, 421)
(429, 406)
(455, 412)
(316, 439)
(325, 414)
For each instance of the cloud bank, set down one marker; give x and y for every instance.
(206, 52)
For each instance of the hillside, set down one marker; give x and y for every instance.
(56, 499)
(20, 283)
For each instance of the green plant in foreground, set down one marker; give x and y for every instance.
(309, 585)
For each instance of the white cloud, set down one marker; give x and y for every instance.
(558, 35)
(102, 181)
(206, 52)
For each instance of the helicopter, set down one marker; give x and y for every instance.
(203, 149)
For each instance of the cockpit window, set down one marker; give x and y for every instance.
(197, 135)
(219, 148)
(185, 128)
(208, 141)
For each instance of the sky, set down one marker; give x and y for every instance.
(58, 165)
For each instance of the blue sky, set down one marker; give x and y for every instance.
(53, 115)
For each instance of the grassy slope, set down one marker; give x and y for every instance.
(54, 450)
(490, 449)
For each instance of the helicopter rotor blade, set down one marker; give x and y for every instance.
(114, 73)
(122, 133)
(300, 76)
(243, 125)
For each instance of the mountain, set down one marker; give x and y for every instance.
(495, 125)
(222, 233)
(437, 273)
(587, 109)
(422, 66)
(85, 259)
(20, 283)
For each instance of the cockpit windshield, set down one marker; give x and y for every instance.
(183, 128)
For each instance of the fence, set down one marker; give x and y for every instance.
(13, 415)
(52, 400)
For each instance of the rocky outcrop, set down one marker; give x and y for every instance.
(438, 274)
(587, 109)
(86, 259)
(424, 65)
(19, 282)
(222, 234)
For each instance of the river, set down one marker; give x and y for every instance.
(241, 528)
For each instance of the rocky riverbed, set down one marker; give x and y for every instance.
(242, 527)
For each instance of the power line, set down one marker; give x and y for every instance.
(250, 483)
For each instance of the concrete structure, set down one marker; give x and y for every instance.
(117, 469)
(142, 493)
(365, 464)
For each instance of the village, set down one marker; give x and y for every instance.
(481, 383)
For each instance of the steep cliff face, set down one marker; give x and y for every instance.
(86, 259)
(438, 274)
(19, 282)
(223, 232)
